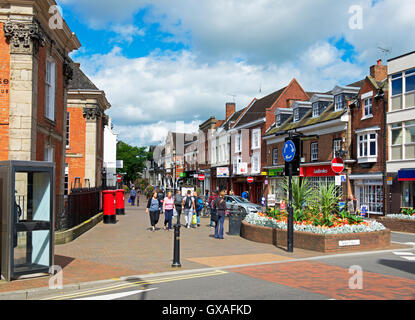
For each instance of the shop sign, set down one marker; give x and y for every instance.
(182, 175)
(275, 172)
(264, 173)
(317, 171)
(389, 181)
(222, 172)
(242, 168)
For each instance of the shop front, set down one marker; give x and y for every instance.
(406, 178)
(368, 190)
(220, 178)
(318, 174)
(276, 181)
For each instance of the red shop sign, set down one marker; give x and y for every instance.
(317, 171)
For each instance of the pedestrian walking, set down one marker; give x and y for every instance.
(212, 209)
(245, 195)
(133, 194)
(189, 208)
(153, 209)
(198, 207)
(178, 203)
(220, 206)
(168, 206)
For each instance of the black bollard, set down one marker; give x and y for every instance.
(176, 253)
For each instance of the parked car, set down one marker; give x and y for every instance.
(241, 204)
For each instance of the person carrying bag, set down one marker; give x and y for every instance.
(153, 209)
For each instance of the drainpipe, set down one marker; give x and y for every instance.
(349, 147)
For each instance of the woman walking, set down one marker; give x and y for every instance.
(168, 206)
(153, 209)
(220, 206)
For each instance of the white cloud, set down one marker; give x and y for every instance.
(126, 33)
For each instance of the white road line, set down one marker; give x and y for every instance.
(113, 296)
(404, 253)
(409, 258)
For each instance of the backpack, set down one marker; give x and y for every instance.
(188, 203)
(199, 202)
(178, 200)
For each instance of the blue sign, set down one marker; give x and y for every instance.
(288, 152)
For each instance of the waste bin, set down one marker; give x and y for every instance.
(109, 206)
(119, 202)
(235, 222)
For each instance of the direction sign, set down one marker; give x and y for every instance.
(337, 165)
(250, 179)
(288, 152)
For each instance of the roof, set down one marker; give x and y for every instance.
(80, 80)
(257, 110)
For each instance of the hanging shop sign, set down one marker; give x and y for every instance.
(222, 172)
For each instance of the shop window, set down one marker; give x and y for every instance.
(372, 197)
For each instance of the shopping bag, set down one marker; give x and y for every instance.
(194, 219)
(129, 200)
(174, 213)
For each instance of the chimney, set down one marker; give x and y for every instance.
(230, 109)
(378, 71)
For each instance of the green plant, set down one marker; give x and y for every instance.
(408, 211)
(325, 200)
(302, 192)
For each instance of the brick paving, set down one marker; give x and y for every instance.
(130, 248)
(333, 281)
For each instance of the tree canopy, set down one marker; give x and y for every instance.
(134, 160)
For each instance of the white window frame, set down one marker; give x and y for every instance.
(238, 143)
(236, 160)
(50, 87)
(314, 151)
(338, 102)
(49, 154)
(337, 145)
(402, 77)
(365, 143)
(367, 107)
(68, 132)
(256, 163)
(316, 111)
(275, 156)
(403, 126)
(256, 139)
(296, 115)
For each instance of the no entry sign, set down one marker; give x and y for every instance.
(337, 165)
(119, 178)
(201, 177)
(250, 179)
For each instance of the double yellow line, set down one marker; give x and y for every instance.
(135, 284)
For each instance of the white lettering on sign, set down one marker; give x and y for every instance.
(345, 243)
(318, 171)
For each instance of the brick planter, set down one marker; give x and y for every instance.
(403, 225)
(318, 242)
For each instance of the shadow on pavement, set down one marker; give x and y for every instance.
(63, 261)
(144, 286)
(400, 265)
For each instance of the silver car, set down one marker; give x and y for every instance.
(237, 203)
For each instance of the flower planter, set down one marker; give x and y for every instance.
(403, 225)
(318, 242)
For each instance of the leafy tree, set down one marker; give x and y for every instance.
(134, 159)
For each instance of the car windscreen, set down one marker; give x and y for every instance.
(241, 200)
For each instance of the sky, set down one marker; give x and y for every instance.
(164, 61)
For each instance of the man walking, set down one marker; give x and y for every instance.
(189, 208)
(178, 203)
(133, 194)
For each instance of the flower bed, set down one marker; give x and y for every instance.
(342, 236)
(399, 222)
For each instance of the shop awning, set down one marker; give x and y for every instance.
(406, 175)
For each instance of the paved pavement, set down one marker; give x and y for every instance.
(130, 248)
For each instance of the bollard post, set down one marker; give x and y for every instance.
(176, 253)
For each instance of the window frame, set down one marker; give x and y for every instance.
(68, 130)
(238, 143)
(296, 115)
(275, 156)
(335, 140)
(314, 155)
(256, 132)
(315, 111)
(50, 87)
(365, 145)
(338, 103)
(366, 107)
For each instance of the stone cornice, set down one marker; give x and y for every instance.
(92, 113)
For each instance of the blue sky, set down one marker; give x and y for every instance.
(165, 61)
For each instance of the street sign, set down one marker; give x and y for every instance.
(201, 177)
(119, 178)
(337, 165)
(271, 200)
(266, 182)
(250, 179)
(389, 181)
(288, 152)
(282, 205)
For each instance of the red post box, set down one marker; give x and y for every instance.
(119, 202)
(109, 206)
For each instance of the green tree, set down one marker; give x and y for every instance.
(134, 160)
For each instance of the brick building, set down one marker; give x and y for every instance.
(86, 119)
(248, 149)
(34, 73)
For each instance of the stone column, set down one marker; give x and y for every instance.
(92, 113)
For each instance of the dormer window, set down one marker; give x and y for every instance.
(316, 109)
(278, 120)
(296, 114)
(338, 102)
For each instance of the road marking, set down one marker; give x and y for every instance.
(405, 255)
(114, 296)
(136, 283)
